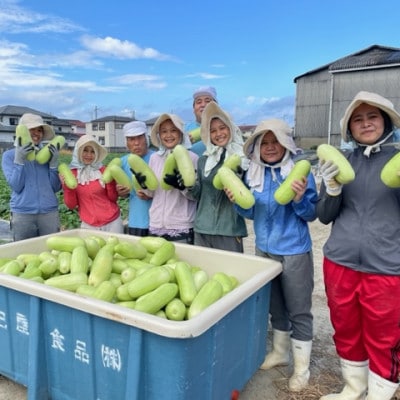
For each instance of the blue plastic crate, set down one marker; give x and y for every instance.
(15, 316)
(64, 346)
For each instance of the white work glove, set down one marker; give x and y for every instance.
(328, 172)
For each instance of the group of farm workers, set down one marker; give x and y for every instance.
(361, 264)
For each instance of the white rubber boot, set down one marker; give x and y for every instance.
(301, 363)
(379, 388)
(355, 375)
(279, 354)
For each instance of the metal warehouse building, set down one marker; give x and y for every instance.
(323, 94)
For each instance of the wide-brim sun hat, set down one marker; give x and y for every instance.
(88, 140)
(154, 136)
(134, 128)
(281, 130)
(372, 99)
(34, 121)
(211, 111)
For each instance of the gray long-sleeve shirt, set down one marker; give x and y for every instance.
(365, 234)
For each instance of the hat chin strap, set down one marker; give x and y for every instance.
(376, 147)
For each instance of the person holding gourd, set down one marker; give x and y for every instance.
(172, 211)
(95, 200)
(217, 225)
(282, 234)
(33, 204)
(137, 142)
(362, 254)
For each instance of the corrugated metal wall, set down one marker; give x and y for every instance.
(314, 106)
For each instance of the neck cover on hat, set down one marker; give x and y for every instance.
(86, 172)
(235, 146)
(255, 174)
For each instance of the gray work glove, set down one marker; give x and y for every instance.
(21, 152)
(53, 163)
(328, 172)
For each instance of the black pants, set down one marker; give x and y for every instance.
(138, 232)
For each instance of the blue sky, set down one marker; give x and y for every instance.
(70, 58)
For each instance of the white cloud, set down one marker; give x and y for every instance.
(205, 75)
(122, 49)
(14, 54)
(253, 100)
(140, 80)
(15, 19)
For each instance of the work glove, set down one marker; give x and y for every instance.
(140, 178)
(239, 171)
(328, 172)
(21, 152)
(53, 163)
(175, 180)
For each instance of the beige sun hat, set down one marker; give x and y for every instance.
(34, 121)
(372, 99)
(88, 140)
(281, 130)
(213, 110)
(155, 138)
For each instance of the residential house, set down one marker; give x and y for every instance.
(10, 116)
(109, 131)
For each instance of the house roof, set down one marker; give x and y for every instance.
(19, 110)
(151, 121)
(113, 118)
(77, 123)
(373, 56)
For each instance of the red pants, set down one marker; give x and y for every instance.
(365, 314)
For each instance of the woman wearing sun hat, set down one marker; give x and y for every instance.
(172, 211)
(217, 225)
(95, 200)
(362, 254)
(33, 204)
(282, 234)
